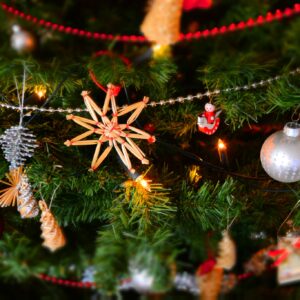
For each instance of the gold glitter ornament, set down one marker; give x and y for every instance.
(162, 22)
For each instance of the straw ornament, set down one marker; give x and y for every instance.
(118, 136)
(19, 191)
(227, 252)
(51, 232)
(9, 195)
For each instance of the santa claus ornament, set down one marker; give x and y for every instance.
(209, 121)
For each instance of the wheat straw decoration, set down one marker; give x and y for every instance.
(19, 191)
(8, 196)
(227, 252)
(118, 136)
(51, 232)
(162, 22)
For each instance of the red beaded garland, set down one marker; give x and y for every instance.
(269, 17)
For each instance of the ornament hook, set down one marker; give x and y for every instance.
(296, 114)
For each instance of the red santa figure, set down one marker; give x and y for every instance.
(208, 122)
(209, 113)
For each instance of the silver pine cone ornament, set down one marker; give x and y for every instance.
(26, 203)
(18, 144)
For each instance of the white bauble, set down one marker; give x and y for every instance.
(22, 41)
(280, 154)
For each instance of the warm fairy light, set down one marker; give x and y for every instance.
(40, 90)
(222, 151)
(143, 182)
(221, 145)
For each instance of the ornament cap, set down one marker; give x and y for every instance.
(292, 129)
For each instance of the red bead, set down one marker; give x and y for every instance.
(215, 31)
(269, 17)
(288, 12)
(189, 36)
(241, 25)
(278, 14)
(250, 22)
(260, 19)
(149, 127)
(297, 7)
(223, 29)
(232, 27)
(197, 35)
(205, 32)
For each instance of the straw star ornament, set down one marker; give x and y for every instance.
(118, 136)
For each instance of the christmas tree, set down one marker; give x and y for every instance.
(150, 150)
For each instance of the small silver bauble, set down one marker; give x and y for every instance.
(22, 41)
(280, 154)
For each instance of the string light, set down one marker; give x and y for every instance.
(40, 91)
(143, 182)
(222, 151)
(221, 145)
(180, 100)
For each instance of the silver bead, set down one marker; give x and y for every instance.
(280, 154)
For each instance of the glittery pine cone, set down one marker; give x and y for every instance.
(51, 232)
(18, 144)
(27, 205)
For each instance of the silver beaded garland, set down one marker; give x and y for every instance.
(18, 144)
(280, 154)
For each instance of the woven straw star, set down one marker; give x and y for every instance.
(118, 136)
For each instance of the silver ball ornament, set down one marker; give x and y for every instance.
(22, 41)
(280, 154)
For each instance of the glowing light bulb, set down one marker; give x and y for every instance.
(40, 90)
(143, 182)
(222, 151)
(221, 145)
